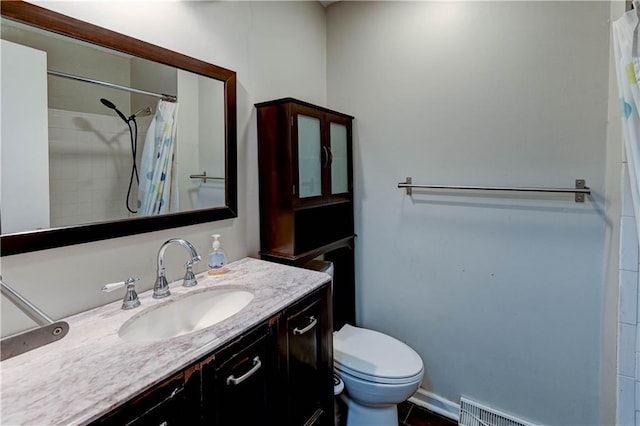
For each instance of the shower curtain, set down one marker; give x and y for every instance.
(157, 191)
(627, 57)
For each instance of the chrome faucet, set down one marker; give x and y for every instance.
(161, 287)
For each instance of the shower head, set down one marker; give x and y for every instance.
(112, 106)
(108, 103)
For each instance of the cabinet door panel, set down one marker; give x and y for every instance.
(305, 369)
(236, 391)
(339, 158)
(309, 157)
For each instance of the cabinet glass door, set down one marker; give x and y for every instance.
(339, 160)
(309, 161)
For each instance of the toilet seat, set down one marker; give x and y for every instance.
(375, 357)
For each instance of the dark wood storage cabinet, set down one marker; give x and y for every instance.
(305, 168)
(278, 373)
(306, 191)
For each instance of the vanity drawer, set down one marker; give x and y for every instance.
(165, 404)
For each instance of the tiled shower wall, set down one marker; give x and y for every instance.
(629, 317)
(90, 165)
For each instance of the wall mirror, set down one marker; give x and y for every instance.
(104, 135)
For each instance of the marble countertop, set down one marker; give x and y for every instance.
(92, 370)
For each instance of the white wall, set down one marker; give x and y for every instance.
(501, 295)
(26, 162)
(277, 49)
(201, 117)
(188, 138)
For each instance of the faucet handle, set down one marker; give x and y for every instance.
(114, 286)
(130, 300)
(189, 277)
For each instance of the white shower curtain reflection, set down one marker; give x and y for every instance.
(627, 51)
(157, 192)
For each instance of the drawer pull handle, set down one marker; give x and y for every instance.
(174, 393)
(256, 366)
(312, 324)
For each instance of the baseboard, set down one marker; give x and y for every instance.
(432, 402)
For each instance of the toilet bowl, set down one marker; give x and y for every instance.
(378, 372)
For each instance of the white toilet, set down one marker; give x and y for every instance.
(378, 372)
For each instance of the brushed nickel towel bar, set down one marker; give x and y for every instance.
(580, 189)
(48, 332)
(204, 177)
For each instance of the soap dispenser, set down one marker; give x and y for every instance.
(217, 257)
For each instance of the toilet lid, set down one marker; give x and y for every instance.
(374, 356)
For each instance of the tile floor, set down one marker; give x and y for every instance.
(411, 415)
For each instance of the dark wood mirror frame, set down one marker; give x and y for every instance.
(45, 19)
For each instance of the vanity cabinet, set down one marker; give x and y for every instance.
(279, 372)
(306, 176)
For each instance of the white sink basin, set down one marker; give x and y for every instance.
(186, 315)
